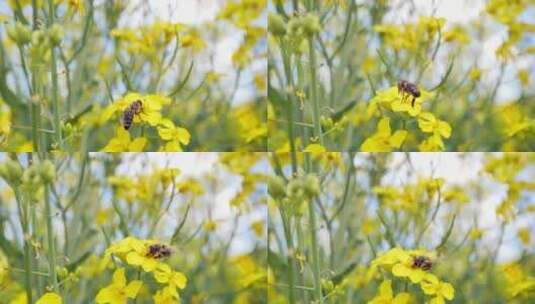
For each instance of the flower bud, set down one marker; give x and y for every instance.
(326, 122)
(62, 271)
(19, 33)
(276, 24)
(38, 37)
(311, 24)
(56, 34)
(276, 187)
(327, 285)
(11, 171)
(31, 178)
(47, 171)
(295, 188)
(294, 25)
(311, 185)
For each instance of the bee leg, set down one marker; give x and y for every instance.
(413, 101)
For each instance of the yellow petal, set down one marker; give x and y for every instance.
(106, 295)
(383, 127)
(402, 298)
(50, 298)
(446, 289)
(183, 135)
(132, 289)
(180, 280)
(398, 138)
(385, 289)
(400, 270)
(315, 148)
(138, 144)
(119, 279)
(445, 129)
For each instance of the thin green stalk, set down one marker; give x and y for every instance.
(289, 107)
(54, 75)
(35, 109)
(52, 279)
(314, 90)
(315, 253)
(27, 248)
(313, 239)
(291, 252)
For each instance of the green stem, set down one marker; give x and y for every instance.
(54, 76)
(27, 248)
(291, 253)
(52, 279)
(289, 107)
(35, 109)
(313, 239)
(315, 254)
(314, 90)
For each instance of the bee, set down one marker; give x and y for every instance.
(422, 262)
(132, 110)
(158, 251)
(408, 89)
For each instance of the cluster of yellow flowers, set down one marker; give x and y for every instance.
(410, 36)
(506, 169)
(147, 189)
(408, 197)
(400, 263)
(507, 13)
(135, 252)
(149, 39)
(243, 15)
(384, 140)
(519, 285)
(77, 5)
(5, 122)
(150, 114)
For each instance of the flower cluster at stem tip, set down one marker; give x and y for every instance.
(174, 137)
(134, 252)
(383, 140)
(400, 263)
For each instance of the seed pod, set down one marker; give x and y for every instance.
(276, 24)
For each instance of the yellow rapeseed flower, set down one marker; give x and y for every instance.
(175, 136)
(440, 290)
(518, 283)
(383, 140)
(118, 291)
(151, 106)
(386, 295)
(396, 101)
(123, 143)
